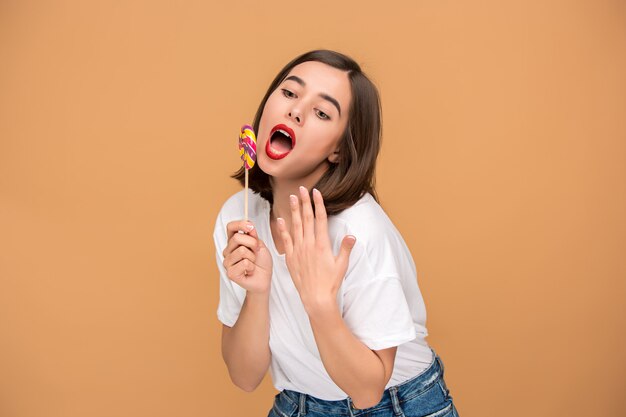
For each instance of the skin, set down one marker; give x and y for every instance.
(303, 237)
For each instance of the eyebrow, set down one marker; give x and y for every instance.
(322, 95)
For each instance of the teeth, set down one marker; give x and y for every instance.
(284, 133)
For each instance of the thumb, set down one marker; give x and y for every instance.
(347, 244)
(260, 245)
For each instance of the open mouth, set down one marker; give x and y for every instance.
(282, 141)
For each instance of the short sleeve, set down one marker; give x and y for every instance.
(378, 314)
(375, 305)
(231, 295)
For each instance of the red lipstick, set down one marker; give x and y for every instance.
(287, 134)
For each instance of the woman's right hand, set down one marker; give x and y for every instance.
(247, 260)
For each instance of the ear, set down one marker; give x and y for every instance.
(333, 158)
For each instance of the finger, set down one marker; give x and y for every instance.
(239, 271)
(308, 221)
(238, 226)
(259, 242)
(237, 255)
(296, 221)
(344, 252)
(286, 237)
(321, 220)
(239, 239)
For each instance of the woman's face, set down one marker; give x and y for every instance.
(302, 122)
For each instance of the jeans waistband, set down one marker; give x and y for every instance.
(390, 399)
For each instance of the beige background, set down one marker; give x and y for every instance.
(503, 165)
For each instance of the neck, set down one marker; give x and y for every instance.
(283, 188)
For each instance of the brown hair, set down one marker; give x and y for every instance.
(345, 181)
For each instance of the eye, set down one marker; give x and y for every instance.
(288, 93)
(322, 115)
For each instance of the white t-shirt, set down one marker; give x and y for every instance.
(379, 298)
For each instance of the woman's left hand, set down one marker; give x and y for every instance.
(316, 272)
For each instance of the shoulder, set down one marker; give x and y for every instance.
(380, 250)
(232, 204)
(233, 208)
(366, 220)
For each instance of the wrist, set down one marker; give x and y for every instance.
(258, 295)
(321, 308)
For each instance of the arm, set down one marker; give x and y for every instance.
(245, 345)
(317, 274)
(359, 371)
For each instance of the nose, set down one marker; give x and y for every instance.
(295, 115)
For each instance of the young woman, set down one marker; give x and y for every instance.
(319, 286)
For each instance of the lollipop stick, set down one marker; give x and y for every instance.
(247, 152)
(245, 216)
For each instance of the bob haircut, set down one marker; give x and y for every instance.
(345, 181)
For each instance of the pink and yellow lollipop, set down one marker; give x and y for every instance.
(247, 146)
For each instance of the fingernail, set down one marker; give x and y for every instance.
(249, 227)
(293, 199)
(302, 189)
(280, 221)
(316, 191)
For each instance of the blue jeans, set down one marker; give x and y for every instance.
(425, 395)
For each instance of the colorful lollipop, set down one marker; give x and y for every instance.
(247, 146)
(247, 152)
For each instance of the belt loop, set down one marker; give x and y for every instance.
(440, 364)
(351, 407)
(397, 410)
(302, 410)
